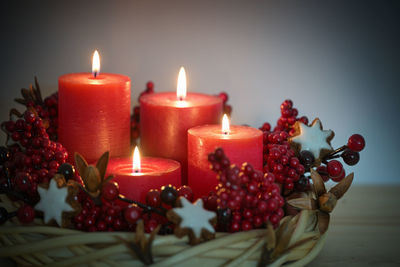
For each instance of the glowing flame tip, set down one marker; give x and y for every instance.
(225, 124)
(181, 87)
(136, 161)
(95, 63)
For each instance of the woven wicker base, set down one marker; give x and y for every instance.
(43, 245)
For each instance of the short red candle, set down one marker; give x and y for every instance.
(242, 144)
(154, 173)
(94, 114)
(164, 121)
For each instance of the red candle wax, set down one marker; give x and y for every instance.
(154, 173)
(242, 144)
(164, 121)
(94, 114)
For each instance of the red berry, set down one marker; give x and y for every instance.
(29, 116)
(212, 203)
(150, 225)
(110, 191)
(274, 219)
(223, 96)
(246, 225)
(252, 187)
(118, 224)
(26, 214)
(79, 218)
(132, 213)
(247, 213)
(169, 194)
(54, 165)
(186, 192)
(356, 142)
(101, 226)
(350, 157)
(339, 177)
(257, 221)
(334, 168)
(10, 126)
(153, 198)
(287, 104)
(262, 206)
(289, 186)
(150, 86)
(109, 219)
(235, 226)
(16, 136)
(272, 205)
(89, 221)
(322, 170)
(23, 181)
(304, 120)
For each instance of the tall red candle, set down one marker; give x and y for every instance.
(165, 119)
(242, 144)
(154, 173)
(94, 114)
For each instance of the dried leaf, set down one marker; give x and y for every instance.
(102, 165)
(81, 163)
(37, 92)
(141, 247)
(15, 112)
(109, 178)
(26, 94)
(282, 226)
(270, 238)
(327, 202)
(341, 188)
(285, 237)
(20, 101)
(270, 243)
(323, 222)
(303, 203)
(91, 178)
(319, 186)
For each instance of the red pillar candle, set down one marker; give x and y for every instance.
(166, 117)
(94, 114)
(240, 144)
(153, 174)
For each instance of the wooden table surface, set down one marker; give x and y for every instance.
(364, 229)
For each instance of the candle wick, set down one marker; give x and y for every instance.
(225, 133)
(95, 74)
(180, 98)
(136, 171)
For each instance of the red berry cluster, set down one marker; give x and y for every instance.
(115, 215)
(288, 117)
(92, 218)
(280, 159)
(251, 197)
(227, 109)
(34, 158)
(135, 118)
(334, 169)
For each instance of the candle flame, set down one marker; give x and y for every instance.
(181, 88)
(95, 63)
(225, 124)
(136, 161)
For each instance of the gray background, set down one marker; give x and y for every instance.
(337, 60)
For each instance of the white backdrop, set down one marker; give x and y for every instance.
(336, 61)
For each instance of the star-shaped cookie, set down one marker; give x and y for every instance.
(53, 202)
(312, 138)
(193, 220)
